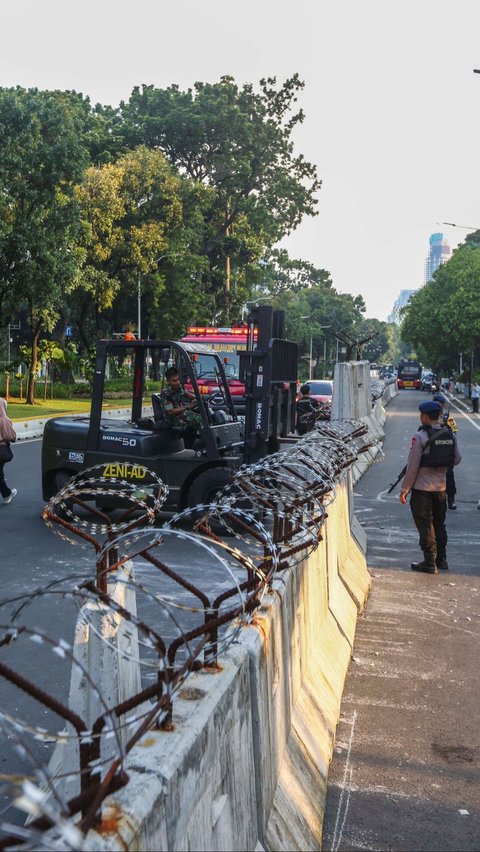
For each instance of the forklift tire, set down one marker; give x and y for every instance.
(61, 478)
(206, 486)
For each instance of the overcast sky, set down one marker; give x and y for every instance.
(391, 101)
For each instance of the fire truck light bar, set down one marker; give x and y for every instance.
(217, 331)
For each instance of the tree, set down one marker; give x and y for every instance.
(443, 318)
(50, 352)
(43, 152)
(238, 143)
(316, 312)
(132, 219)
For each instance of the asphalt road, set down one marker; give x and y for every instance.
(406, 768)
(392, 537)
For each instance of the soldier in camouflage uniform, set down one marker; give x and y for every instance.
(178, 403)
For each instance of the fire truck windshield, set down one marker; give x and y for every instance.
(205, 364)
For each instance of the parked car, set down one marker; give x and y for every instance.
(321, 390)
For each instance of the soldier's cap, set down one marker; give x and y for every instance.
(429, 407)
(439, 397)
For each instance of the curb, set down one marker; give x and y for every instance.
(33, 428)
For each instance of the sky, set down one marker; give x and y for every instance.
(391, 105)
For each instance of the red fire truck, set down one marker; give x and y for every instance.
(226, 342)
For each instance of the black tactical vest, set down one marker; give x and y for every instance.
(441, 451)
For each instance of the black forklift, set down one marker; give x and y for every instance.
(194, 466)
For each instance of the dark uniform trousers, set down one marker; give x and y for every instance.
(429, 511)
(451, 487)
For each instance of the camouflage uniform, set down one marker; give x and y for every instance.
(175, 398)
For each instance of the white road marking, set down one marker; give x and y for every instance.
(346, 786)
(464, 413)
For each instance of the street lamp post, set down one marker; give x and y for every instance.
(310, 360)
(253, 302)
(463, 227)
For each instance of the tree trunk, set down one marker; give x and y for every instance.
(30, 394)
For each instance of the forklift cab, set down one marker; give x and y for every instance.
(145, 358)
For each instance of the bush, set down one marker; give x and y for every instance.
(60, 390)
(121, 384)
(125, 386)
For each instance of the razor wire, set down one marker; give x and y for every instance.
(151, 614)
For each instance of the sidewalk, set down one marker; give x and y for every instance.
(406, 769)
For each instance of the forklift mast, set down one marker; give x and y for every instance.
(269, 372)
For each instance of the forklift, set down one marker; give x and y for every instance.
(194, 467)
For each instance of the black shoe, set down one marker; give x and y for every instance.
(442, 564)
(426, 567)
(451, 504)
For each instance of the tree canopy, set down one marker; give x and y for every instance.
(44, 151)
(174, 200)
(443, 318)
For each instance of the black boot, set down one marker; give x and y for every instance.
(441, 562)
(451, 503)
(427, 566)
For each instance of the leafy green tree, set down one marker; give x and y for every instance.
(43, 153)
(132, 219)
(315, 313)
(50, 352)
(443, 318)
(238, 143)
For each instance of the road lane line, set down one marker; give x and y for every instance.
(464, 413)
(346, 786)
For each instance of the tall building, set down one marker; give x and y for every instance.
(400, 303)
(439, 253)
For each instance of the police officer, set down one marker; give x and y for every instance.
(432, 450)
(449, 421)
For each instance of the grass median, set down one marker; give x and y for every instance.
(19, 410)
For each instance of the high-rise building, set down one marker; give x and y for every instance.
(439, 253)
(400, 303)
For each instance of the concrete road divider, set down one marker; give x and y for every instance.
(246, 764)
(352, 397)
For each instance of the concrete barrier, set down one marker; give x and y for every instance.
(246, 765)
(352, 399)
(105, 647)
